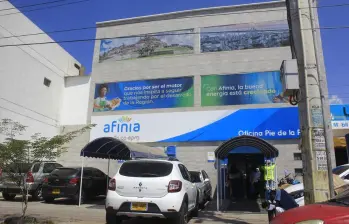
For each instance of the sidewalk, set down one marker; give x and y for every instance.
(65, 212)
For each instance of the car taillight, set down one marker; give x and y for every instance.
(174, 186)
(112, 185)
(74, 180)
(45, 180)
(30, 178)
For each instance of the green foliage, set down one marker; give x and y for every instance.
(16, 154)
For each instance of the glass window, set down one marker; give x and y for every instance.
(98, 173)
(17, 168)
(297, 156)
(146, 169)
(88, 173)
(183, 172)
(64, 172)
(36, 168)
(205, 175)
(188, 174)
(195, 176)
(49, 167)
(340, 169)
(346, 177)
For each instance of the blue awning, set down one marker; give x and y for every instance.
(112, 148)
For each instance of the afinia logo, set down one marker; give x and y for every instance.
(123, 124)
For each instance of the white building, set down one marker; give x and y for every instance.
(35, 80)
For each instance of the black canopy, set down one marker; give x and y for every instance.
(112, 148)
(267, 149)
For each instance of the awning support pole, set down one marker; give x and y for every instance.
(108, 172)
(218, 182)
(82, 172)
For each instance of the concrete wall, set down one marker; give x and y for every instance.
(75, 100)
(23, 95)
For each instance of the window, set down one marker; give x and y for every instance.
(49, 167)
(195, 177)
(205, 175)
(47, 82)
(298, 171)
(64, 172)
(297, 156)
(87, 173)
(36, 168)
(297, 194)
(146, 169)
(346, 177)
(98, 173)
(339, 169)
(185, 175)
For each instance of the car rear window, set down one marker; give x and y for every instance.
(17, 168)
(64, 172)
(146, 169)
(340, 169)
(195, 177)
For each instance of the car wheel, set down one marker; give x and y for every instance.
(77, 195)
(182, 217)
(49, 199)
(37, 195)
(112, 219)
(8, 197)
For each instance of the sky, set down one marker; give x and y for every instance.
(85, 14)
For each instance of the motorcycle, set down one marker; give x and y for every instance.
(287, 180)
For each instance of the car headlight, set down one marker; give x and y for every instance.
(311, 222)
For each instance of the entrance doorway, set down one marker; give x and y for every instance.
(244, 153)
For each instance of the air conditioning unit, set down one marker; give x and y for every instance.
(289, 77)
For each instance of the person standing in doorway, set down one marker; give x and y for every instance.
(234, 181)
(254, 182)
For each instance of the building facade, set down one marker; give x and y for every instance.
(191, 80)
(188, 81)
(35, 79)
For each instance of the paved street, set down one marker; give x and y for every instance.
(63, 211)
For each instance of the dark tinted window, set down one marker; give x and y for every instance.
(195, 177)
(36, 168)
(17, 168)
(342, 198)
(87, 173)
(297, 194)
(346, 177)
(340, 169)
(98, 173)
(184, 173)
(64, 172)
(49, 167)
(205, 175)
(146, 169)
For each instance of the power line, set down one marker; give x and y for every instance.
(163, 34)
(38, 4)
(27, 116)
(48, 7)
(94, 27)
(9, 101)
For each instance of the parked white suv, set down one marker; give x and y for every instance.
(151, 189)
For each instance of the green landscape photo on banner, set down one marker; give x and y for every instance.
(238, 89)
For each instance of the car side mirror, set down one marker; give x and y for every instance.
(206, 180)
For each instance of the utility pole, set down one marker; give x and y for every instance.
(316, 134)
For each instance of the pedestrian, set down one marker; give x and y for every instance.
(254, 181)
(234, 181)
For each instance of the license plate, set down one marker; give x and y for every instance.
(56, 191)
(138, 206)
